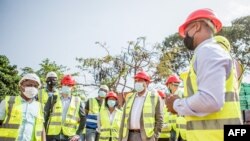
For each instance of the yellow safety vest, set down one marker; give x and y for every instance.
(181, 122)
(181, 127)
(71, 123)
(165, 131)
(148, 113)
(109, 130)
(94, 110)
(210, 127)
(10, 127)
(43, 96)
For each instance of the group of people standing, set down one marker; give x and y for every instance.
(208, 101)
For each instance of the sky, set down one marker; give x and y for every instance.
(61, 30)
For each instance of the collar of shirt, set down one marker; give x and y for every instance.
(202, 43)
(67, 98)
(144, 95)
(24, 101)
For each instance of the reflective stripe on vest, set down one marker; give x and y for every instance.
(9, 131)
(109, 130)
(71, 122)
(210, 127)
(181, 125)
(94, 108)
(172, 121)
(165, 131)
(148, 114)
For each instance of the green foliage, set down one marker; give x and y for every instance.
(26, 70)
(174, 58)
(8, 78)
(45, 67)
(239, 36)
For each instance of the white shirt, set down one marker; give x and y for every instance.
(136, 111)
(111, 116)
(212, 66)
(65, 104)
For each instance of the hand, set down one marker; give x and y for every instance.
(170, 102)
(75, 138)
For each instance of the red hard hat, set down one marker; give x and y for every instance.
(201, 14)
(173, 79)
(161, 94)
(142, 75)
(112, 94)
(68, 80)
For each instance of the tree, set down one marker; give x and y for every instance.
(45, 67)
(115, 71)
(9, 78)
(26, 70)
(239, 36)
(174, 56)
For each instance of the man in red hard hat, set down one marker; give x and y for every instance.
(143, 113)
(64, 114)
(173, 83)
(211, 84)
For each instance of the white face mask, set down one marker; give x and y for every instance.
(111, 103)
(139, 87)
(65, 90)
(102, 94)
(30, 92)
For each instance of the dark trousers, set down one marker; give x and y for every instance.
(134, 136)
(172, 135)
(57, 138)
(163, 139)
(91, 135)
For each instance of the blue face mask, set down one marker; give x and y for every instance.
(111, 103)
(65, 90)
(167, 91)
(102, 94)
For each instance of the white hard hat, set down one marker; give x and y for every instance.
(51, 74)
(30, 76)
(105, 87)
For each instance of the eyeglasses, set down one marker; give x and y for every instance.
(175, 84)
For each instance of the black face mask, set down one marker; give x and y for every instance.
(51, 83)
(189, 42)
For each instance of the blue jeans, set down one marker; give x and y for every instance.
(91, 135)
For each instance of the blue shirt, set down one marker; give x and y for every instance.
(29, 114)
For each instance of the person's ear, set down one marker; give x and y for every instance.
(198, 26)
